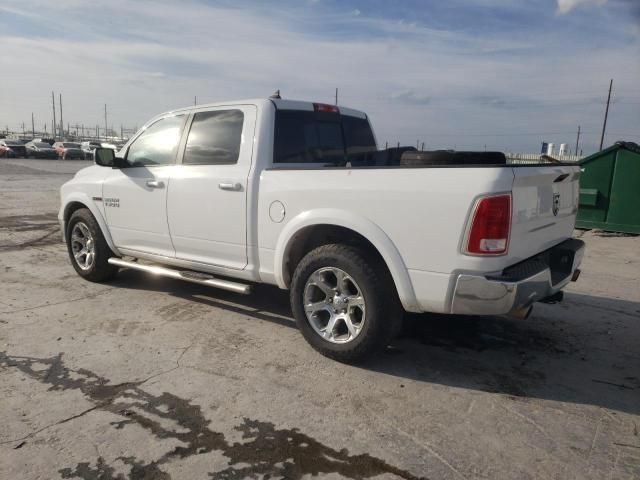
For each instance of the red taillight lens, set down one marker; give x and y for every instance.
(490, 226)
(325, 108)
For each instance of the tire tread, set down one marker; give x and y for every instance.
(385, 319)
(102, 270)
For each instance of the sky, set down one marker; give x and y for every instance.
(464, 74)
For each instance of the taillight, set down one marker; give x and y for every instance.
(325, 108)
(490, 226)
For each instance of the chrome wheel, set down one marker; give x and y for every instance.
(334, 305)
(83, 246)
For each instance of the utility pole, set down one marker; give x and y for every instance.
(61, 122)
(195, 100)
(105, 122)
(121, 132)
(577, 140)
(606, 114)
(422, 149)
(22, 129)
(33, 127)
(53, 102)
(336, 95)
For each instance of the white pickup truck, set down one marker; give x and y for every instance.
(296, 194)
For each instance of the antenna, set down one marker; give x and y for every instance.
(276, 95)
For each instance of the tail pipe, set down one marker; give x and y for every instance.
(522, 313)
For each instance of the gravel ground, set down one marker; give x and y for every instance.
(148, 378)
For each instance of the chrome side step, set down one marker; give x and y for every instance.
(187, 276)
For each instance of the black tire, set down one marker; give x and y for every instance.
(383, 309)
(100, 270)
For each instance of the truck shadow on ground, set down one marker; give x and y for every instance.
(581, 351)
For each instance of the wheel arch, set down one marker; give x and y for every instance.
(312, 229)
(78, 201)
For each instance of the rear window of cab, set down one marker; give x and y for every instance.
(319, 137)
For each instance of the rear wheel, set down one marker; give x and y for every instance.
(88, 250)
(344, 303)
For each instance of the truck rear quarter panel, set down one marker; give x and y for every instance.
(417, 218)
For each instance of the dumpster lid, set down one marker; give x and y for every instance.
(631, 146)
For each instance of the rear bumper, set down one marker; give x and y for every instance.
(46, 155)
(518, 287)
(70, 154)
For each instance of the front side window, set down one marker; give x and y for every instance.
(158, 144)
(214, 138)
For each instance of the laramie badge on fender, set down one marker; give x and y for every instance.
(556, 204)
(112, 202)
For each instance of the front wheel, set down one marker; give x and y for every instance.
(344, 302)
(88, 250)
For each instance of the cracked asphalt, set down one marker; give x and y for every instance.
(147, 378)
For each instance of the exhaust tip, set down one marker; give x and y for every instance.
(522, 313)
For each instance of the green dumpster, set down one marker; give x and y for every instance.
(610, 189)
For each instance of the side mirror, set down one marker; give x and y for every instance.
(105, 157)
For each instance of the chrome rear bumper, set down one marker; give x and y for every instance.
(516, 289)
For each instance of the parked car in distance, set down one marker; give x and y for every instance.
(40, 150)
(69, 150)
(16, 146)
(6, 152)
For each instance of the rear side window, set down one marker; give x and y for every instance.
(158, 144)
(214, 138)
(315, 137)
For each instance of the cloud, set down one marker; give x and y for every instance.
(416, 80)
(409, 96)
(565, 6)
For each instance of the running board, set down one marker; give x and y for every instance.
(186, 275)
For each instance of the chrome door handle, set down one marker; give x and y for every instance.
(155, 184)
(234, 187)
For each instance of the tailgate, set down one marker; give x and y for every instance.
(545, 204)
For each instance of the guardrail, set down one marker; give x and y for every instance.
(537, 158)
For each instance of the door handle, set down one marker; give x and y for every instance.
(234, 187)
(155, 184)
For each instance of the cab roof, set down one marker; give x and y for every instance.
(279, 103)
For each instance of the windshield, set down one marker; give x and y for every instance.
(71, 145)
(41, 145)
